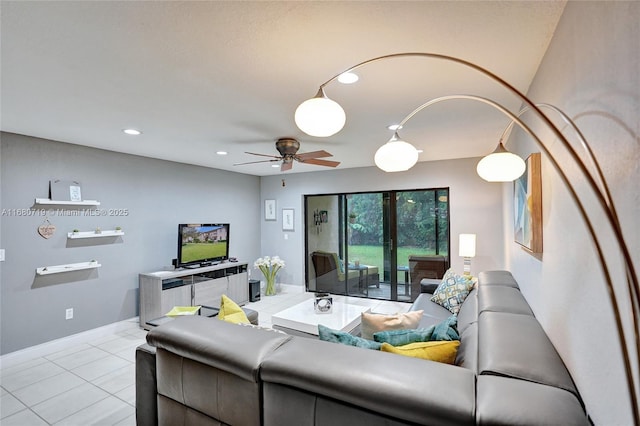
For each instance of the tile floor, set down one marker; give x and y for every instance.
(93, 382)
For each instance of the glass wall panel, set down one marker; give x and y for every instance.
(363, 244)
(422, 232)
(364, 232)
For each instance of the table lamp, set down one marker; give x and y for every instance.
(467, 250)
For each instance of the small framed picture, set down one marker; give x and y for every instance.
(269, 209)
(287, 220)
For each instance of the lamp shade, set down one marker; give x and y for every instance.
(320, 116)
(501, 166)
(467, 245)
(396, 155)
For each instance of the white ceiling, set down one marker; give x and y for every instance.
(202, 76)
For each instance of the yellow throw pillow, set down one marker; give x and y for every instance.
(231, 312)
(440, 351)
(372, 323)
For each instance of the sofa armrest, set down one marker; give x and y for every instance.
(146, 386)
(429, 285)
(230, 347)
(412, 390)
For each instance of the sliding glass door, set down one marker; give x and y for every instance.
(364, 248)
(422, 232)
(361, 244)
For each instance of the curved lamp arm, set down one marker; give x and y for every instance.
(603, 201)
(515, 119)
(604, 190)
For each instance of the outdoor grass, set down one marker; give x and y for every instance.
(197, 251)
(372, 255)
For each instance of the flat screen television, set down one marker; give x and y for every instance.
(202, 244)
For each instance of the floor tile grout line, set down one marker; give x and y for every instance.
(84, 408)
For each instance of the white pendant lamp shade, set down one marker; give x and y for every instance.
(396, 155)
(501, 166)
(320, 116)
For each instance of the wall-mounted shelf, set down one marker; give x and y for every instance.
(92, 234)
(48, 202)
(46, 270)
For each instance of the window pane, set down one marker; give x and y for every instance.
(364, 242)
(351, 238)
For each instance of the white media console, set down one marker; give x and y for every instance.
(162, 290)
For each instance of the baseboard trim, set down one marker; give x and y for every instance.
(23, 355)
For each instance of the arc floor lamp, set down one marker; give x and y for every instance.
(323, 117)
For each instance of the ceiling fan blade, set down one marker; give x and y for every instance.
(327, 163)
(263, 155)
(314, 154)
(254, 162)
(286, 166)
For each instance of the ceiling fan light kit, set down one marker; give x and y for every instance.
(288, 149)
(501, 165)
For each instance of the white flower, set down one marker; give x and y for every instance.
(269, 266)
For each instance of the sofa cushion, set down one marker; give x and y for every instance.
(514, 345)
(502, 278)
(445, 330)
(372, 323)
(439, 351)
(468, 313)
(467, 355)
(432, 313)
(336, 336)
(500, 401)
(453, 290)
(503, 299)
(412, 392)
(230, 311)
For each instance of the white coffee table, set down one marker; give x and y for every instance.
(302, 317)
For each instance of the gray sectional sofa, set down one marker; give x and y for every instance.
(200, 371)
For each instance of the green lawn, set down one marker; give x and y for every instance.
(372, 255)
(194, 251)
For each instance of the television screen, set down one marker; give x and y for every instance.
(202, 243)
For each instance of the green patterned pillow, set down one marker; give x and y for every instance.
(452, 291)
(336, 336)
(445, 330)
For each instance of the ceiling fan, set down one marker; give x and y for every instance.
(288, 148)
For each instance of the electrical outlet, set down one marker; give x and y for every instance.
(1, 255)
(69, 313)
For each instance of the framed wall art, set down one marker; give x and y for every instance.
(287, 220)
(269, 209)
(527, 201)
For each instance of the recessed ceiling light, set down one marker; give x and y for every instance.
(132, 132)
(394, 127)
(348, 78)
(275, 165)
(221, 152)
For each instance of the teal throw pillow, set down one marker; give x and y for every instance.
(445, 330)
(336, 336)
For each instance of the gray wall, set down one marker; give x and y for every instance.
(475, 207)
(592, 72)
(158, 195)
